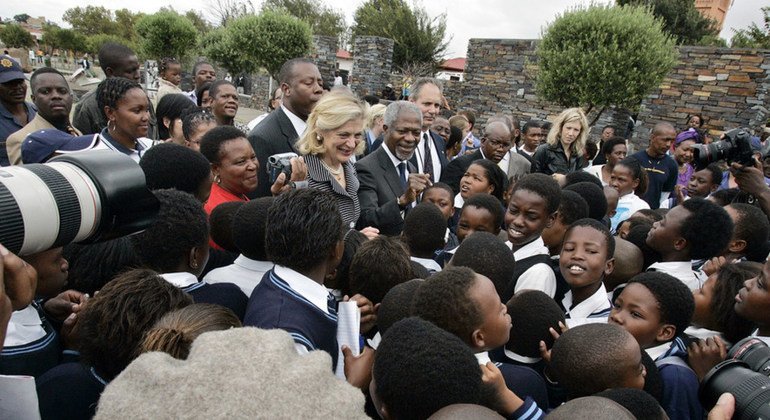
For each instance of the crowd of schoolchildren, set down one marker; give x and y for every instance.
(540, 296)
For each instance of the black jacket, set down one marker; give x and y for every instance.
(551, 160)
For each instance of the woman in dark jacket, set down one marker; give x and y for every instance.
(563, 151)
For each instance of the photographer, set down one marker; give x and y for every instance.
(750, 179)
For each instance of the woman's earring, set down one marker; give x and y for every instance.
(111, 128)
(217, 179)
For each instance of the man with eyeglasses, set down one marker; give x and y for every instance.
(496, 146)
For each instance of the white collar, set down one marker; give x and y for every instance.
(483, 357)
(393, 158)
(459, 201)
(24, 327)
(304, 286)
(427, 263)
(296, 122)
(682, 270)
(253, 265)
(180, 280)
(519, 358)
(535, 247)
(597, 302)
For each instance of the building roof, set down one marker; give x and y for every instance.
(344, 54)
(454, 64)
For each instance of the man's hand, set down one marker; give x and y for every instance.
(65, 304)
(20, 279)
(415, 185)
(298, 173)
(749, 178)
(358, 369)
(702, 355)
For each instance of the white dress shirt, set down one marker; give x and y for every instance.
(539, 276)
(24, 327)
(243, 272)
(428, 263)
(420, 154)
(681, 270)
(594, 310)
(299, 125)
(306, 287)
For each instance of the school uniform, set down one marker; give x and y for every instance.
(243, 272)
(290, 301)
(222, 294)
(680, 384)
(557, 395)
(596, 170)
(627, 206)
(532, 270)
(432, 266)
(683, 271)
(594, 310)
(69, 391)
(523, 381)
(140, 147)
(32, 346)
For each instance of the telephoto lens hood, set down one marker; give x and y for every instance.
(82, 197)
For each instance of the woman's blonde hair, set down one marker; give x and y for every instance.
(334, 110)
(567, 116)
(374, 112)
(176, 331)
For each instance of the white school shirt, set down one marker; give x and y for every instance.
(25, 326)
(596, 170)
(627, 205)
(594, 310)
(539, 276)
(419, 152)
(683, 271)
(243, 272)
(314, 292)
(428, 263)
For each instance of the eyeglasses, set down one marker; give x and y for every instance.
(497, 144)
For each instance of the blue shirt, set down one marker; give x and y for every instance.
(661, 173)
(9, 125)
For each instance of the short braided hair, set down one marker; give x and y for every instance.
(111, 90)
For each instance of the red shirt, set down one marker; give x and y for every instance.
(218, 196)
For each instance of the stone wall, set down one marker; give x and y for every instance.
(729, 87)
(372, 62)
(324, 54)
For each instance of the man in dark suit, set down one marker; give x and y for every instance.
(496, 146)
(430, 155)
(302, 87)
(388, 182)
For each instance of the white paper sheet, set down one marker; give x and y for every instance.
(348, 332)
(18, 398)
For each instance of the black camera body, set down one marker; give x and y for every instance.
(735, 146)
(280, 163)
(745, 375)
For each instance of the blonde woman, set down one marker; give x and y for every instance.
(334, 134)
(374, 126)
(563, 151)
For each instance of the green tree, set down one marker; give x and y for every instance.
(55, 37)
(166, 34)
(14, 36)
(279, 37)
(680, 19)
(417, 37)
(95, 42)
(323, 20)
(755, 36)
(602, 56)
(126, 21)
(197, 19)
(91, 20)
(22, 18)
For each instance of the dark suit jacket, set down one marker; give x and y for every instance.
(376, 145)
(440, 148)
(378, 193)
(454, 172)
(275, 134)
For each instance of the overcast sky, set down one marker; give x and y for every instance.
(465, 20)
